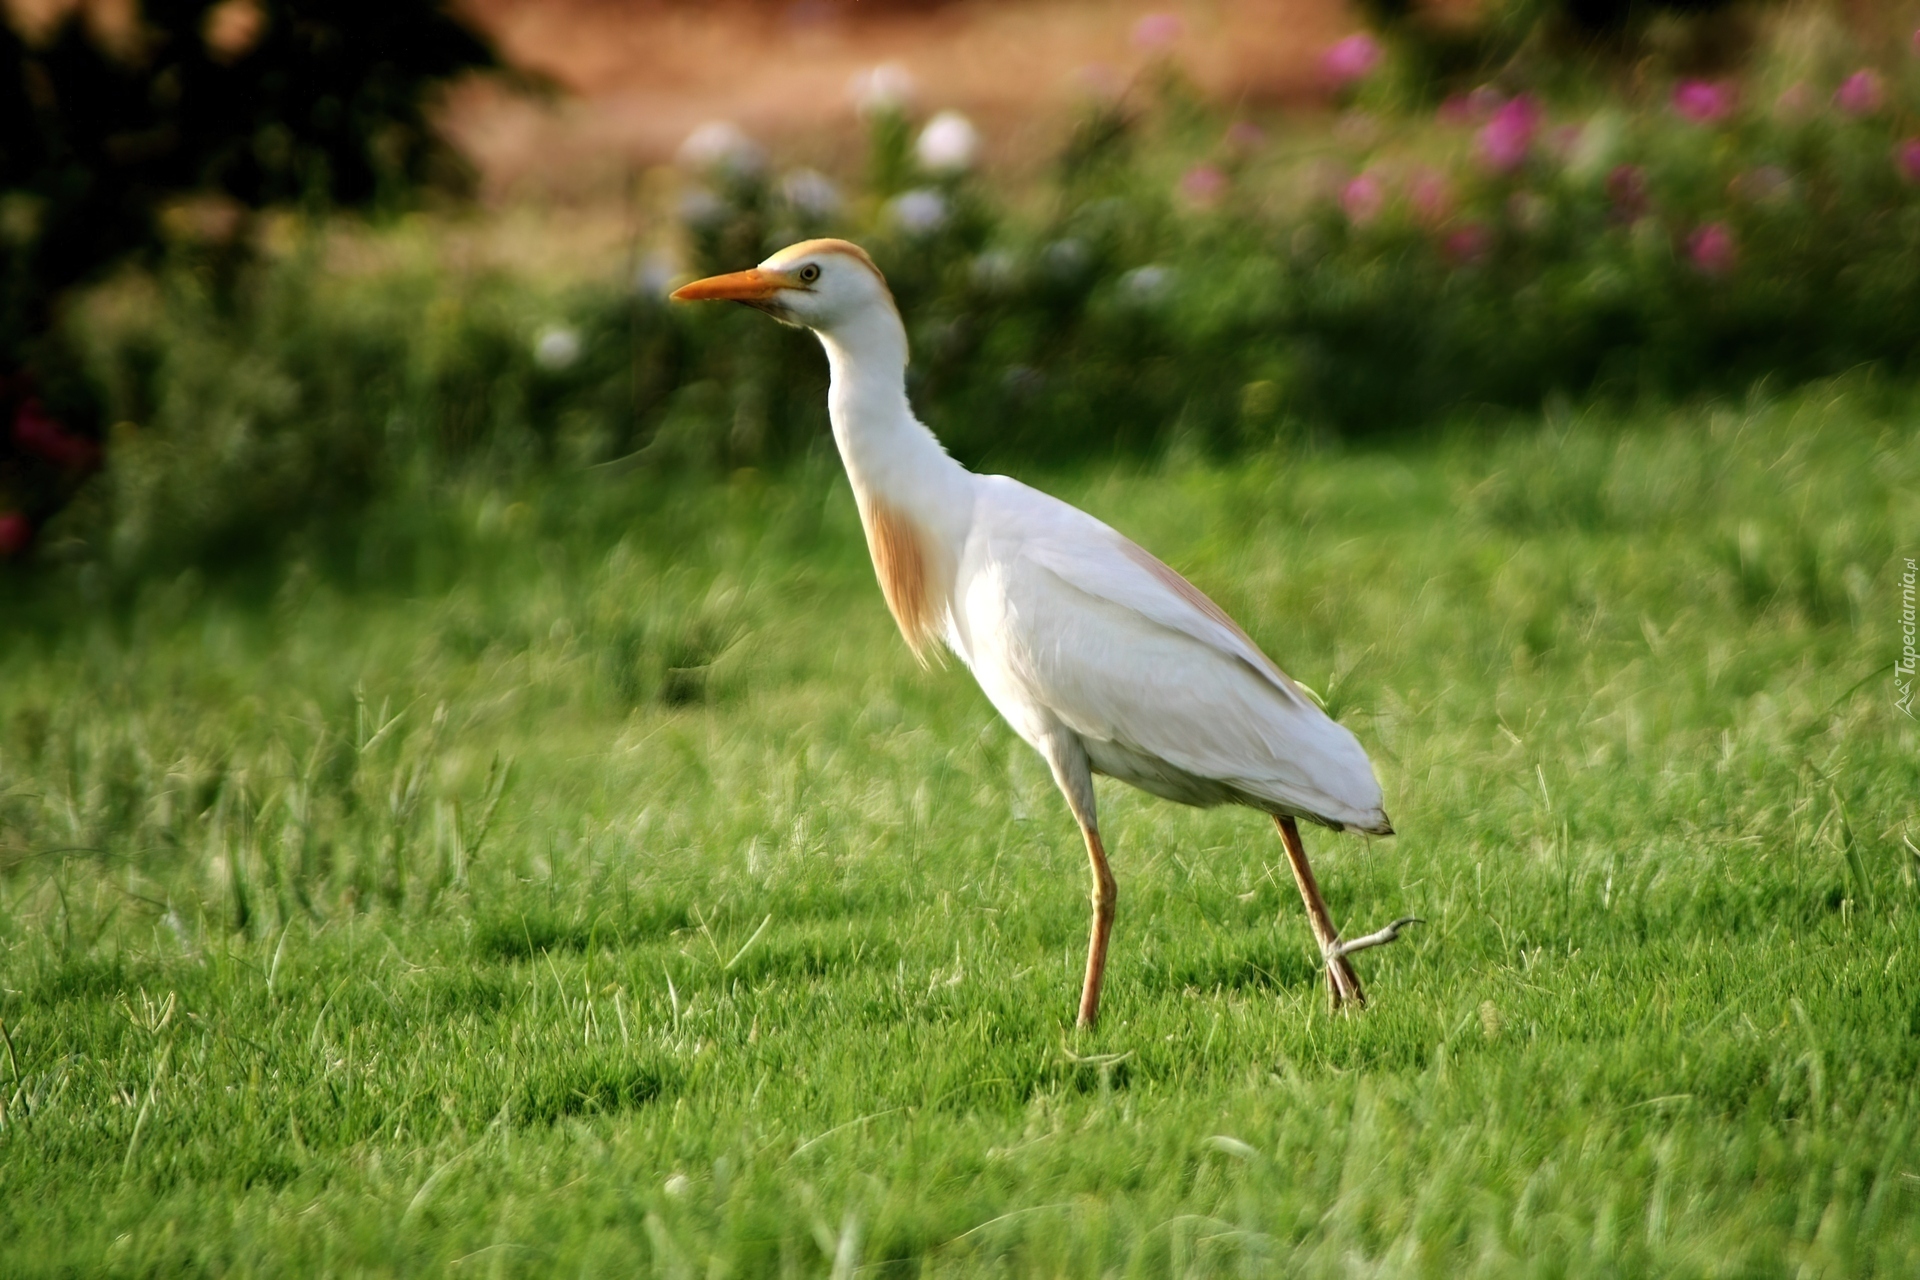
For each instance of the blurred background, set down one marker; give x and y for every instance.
(394, 584)
(272, 266)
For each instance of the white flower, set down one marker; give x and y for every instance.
(920, 211)
(700, 208)
(811, 193)
(948, 144)
(655, 274)
(720, 147)
(556, 347)
(1146, 284)
(996, 269)
(887, 87)
(1065, 259)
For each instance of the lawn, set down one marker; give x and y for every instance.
(582, 879)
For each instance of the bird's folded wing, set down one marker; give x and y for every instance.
(1123, 649)
(1126, 574)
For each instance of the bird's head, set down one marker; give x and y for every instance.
(823, 285)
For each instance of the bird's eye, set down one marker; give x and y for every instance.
(809, 273)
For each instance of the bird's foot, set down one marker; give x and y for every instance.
(1343, 984)
(1378, 938)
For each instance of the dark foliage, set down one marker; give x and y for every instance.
(248, 103)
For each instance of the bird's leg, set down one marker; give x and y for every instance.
(1105, 892)
(1342, 982)
(1067, 757)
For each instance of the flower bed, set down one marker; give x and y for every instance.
(1186, 276)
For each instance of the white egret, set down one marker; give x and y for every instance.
(1101, 657)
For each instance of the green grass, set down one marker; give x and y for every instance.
(583, 880)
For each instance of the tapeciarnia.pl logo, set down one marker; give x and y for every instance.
(1903, 666)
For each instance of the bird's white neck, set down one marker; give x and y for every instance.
(916, 502)
(889, 454)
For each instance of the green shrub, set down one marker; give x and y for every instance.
(1495, 253)
(193, 114)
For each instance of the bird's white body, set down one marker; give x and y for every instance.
(1097, 654)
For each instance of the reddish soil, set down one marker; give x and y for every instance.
(639, 75)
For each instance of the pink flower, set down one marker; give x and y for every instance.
(16, 531)
(1203, 185)
(1350, 61)
(1627, 191)
(35, 432)
(1430, 196)
(1712, 250)
(1906, 158)
(1363, 198)
(1157, 30)
(1860, 94)
(1507, 138)
(1704, 101)
(1245, 135)
(1468, 245)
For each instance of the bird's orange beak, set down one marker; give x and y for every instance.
(739, 286)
